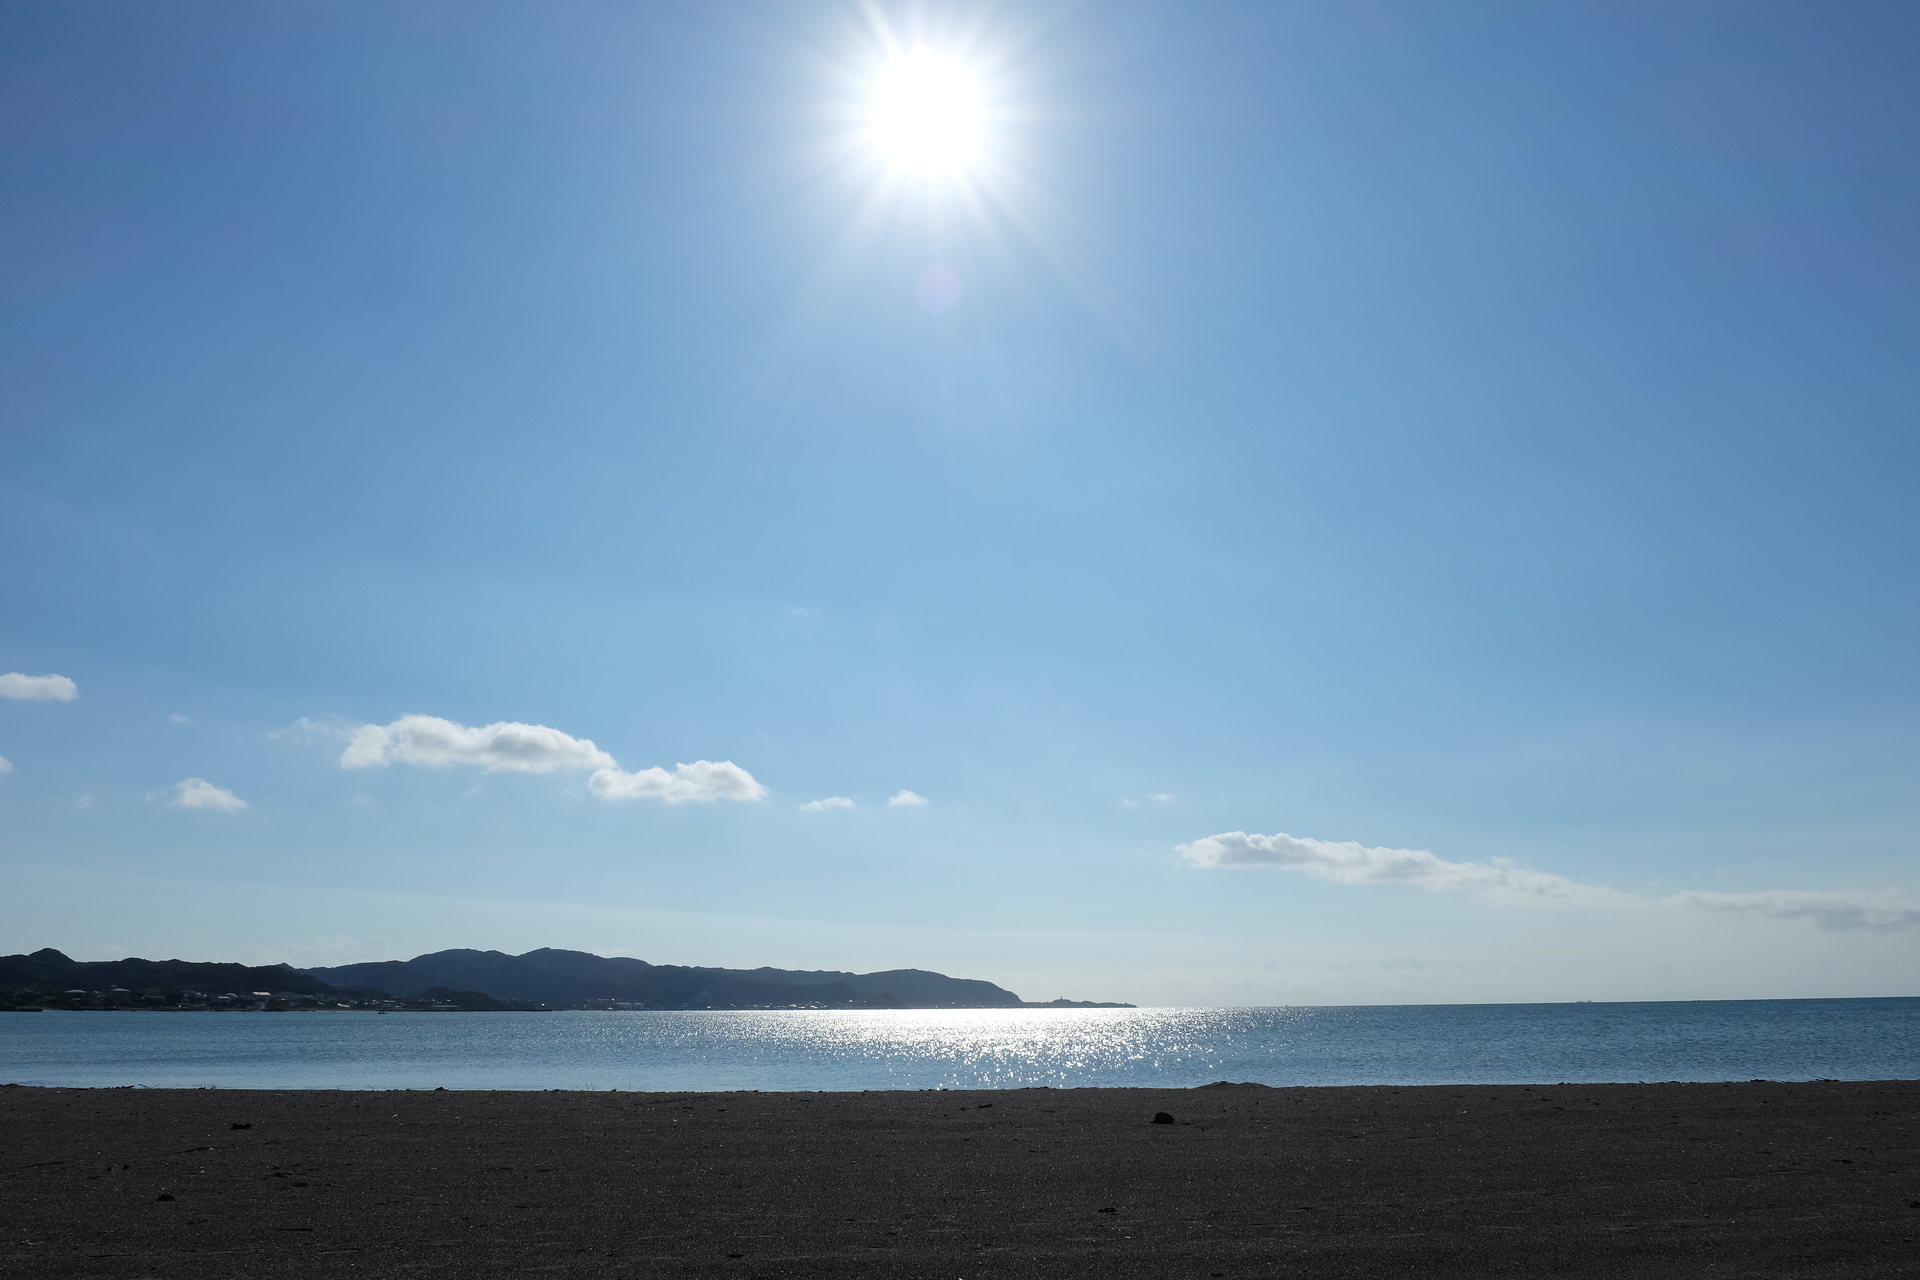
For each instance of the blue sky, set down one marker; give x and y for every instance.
(1485, 431)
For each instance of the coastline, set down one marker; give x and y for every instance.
(1764, 1178)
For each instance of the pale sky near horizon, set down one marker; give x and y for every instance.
(1327, 503)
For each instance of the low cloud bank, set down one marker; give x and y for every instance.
(1348, 862)
(38, 688)
(511, 747)
(1883, 911)
(198, 793)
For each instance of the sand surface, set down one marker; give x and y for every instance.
(1572, 1180)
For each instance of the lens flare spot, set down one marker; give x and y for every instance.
(939, 289)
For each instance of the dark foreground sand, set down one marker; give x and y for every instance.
(1571, 1180)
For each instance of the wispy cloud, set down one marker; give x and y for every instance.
(198, 793)
(504, 747)
(1158, 797)
(306, 729)
(6, 766)
(703, 781)
(177, 718)
(1350, 863)
(831, 802)
(905, 799)
(38, 688)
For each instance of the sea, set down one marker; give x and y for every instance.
(1710, 1040)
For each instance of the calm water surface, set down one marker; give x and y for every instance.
(971, 1049)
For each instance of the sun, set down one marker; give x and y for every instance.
(926, 113)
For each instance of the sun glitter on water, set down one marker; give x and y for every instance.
(926, 113)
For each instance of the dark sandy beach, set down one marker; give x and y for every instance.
(1754, 1179)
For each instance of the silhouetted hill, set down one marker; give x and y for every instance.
(555, 977)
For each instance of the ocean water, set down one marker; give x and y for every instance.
(972, 1048)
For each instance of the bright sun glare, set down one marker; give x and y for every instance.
(926, 113)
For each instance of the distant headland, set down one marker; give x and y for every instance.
(475, 981)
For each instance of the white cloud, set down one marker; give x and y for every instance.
(436, 743)
(905, 798)
(703, 781)
(1158, 797)
(38, 688)
(177, 718)
(198, 793)
(821, 806)
(508, 747)
(1350, 863)
(6, 766)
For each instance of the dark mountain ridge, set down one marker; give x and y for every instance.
(48, 970)
(548, 977)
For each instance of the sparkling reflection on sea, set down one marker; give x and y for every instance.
(970, 1048)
